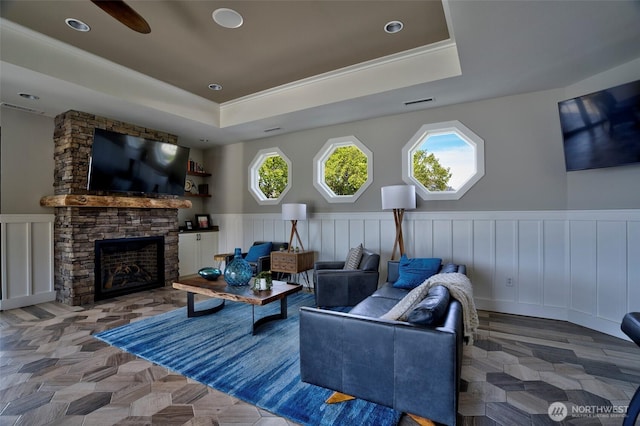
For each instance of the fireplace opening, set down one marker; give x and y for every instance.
(128, 265)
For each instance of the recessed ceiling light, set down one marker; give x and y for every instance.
(215, 86)
(227, 18)
(393, 27)
(29, 96)
(77, 25)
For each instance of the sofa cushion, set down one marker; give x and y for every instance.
(413, 272)
(401, 310)
(390, 292)
(373, 307)
(432, 309)
(449, 268)
(353, 258)
(257, 251)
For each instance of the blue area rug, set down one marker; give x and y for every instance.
(264, 370)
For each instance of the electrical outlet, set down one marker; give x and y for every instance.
(509, 282)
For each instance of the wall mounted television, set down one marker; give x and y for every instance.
(602, 129)
(124, 163)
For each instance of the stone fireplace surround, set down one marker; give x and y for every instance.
(77, 228)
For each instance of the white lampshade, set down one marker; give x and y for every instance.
(293, 211)
(398, 197)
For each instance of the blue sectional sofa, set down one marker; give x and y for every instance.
(411, 368)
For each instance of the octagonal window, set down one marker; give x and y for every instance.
(443, 160)
(269, 176)
(343, 169)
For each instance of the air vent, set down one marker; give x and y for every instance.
(273, 129)
(419, 101)
(21, 108)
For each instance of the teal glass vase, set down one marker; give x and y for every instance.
(238, 272)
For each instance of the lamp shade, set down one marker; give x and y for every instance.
(398, 197)
(293, 211)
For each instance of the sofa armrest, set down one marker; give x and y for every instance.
(412, 369)
(343, 287)
(328, 264)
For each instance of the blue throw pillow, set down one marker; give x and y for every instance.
(413, 272)
(258, 251)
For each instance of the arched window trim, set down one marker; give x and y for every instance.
(318, 169)
(254, 176)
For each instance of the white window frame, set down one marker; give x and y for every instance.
(466, 134)
(318, 169)
(254, 176)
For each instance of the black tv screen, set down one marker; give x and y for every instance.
(123, 163)
(602, 129)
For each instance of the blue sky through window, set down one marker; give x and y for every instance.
(454, 153)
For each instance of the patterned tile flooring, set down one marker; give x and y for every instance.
(52, 371)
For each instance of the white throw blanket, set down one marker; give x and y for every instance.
(460, 289)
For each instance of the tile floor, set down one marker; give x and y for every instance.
(52, 371)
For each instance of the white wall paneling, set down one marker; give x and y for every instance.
(581, 266)
(27, 260)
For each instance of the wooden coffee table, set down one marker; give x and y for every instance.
(220, 290)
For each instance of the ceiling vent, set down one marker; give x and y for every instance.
(21, 108)
(419, 101)
(273, 129)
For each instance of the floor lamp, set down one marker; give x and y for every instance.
(398, 198)
(294, 213)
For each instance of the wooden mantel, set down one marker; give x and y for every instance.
(112, 201)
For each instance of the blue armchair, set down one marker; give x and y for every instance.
(335, 286)
(264, 262)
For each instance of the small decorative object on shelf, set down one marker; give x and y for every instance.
(203, 221)
(195, 167)
(203, 189)
(238, 272)
(210, 273)
(263, 281)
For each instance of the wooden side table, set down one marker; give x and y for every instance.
(221, 257)
(292, 262)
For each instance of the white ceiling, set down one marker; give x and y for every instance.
(496, 48)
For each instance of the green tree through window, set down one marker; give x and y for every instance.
(429, 172)
(345, 171)
(273, 175)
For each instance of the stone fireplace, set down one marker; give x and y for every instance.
(77, 229)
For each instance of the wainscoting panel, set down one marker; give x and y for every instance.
(582, 266)
(27, 260)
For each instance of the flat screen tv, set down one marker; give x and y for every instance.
(602, 129)
(123, 163)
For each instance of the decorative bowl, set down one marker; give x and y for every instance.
(209, 273)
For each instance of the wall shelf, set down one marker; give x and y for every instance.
(203, 174)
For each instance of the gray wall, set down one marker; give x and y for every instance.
(26, 172)
(615, 187)
(524, 159)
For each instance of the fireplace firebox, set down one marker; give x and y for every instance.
(128, 265)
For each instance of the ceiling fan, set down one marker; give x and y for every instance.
(125, 14)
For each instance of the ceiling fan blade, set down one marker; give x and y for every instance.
(125, 14)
